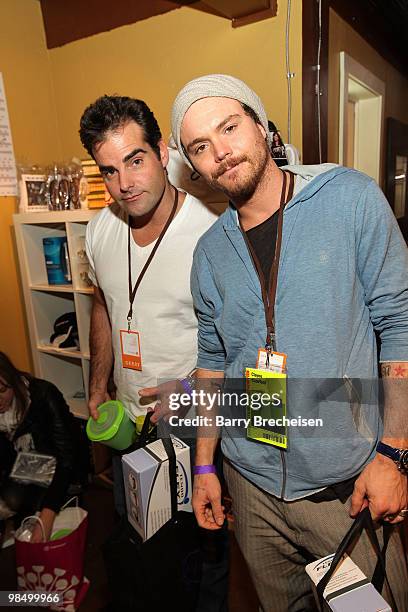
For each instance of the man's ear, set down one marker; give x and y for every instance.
(164, 153)
(262, 130)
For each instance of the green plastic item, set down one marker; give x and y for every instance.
(61, 533)
(113, 427)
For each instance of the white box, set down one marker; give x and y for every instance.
(348, 590)
(147, 485)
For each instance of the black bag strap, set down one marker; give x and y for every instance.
(363, 521)
(145, 432)
(379, 575)
(169, 449)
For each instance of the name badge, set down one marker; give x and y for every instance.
(275, 363)
(266, 411)
(130, 350)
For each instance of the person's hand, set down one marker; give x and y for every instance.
(96, 399)
(207, 501)
(47, 517)
(161, 393)
(383, 488)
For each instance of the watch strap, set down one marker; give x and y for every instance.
(389, 451)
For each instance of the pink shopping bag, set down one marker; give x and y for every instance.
(56, 566)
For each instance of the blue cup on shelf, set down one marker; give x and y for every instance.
(57, 260)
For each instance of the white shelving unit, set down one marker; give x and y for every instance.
(68, 369)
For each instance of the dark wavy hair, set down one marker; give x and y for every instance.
(251, 113)
(14, 378)
(108, 113)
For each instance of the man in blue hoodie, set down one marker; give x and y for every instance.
(297, 277)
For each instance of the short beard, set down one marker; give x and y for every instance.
(243, 191)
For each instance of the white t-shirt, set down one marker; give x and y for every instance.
(163, 312)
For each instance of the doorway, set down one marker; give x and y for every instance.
(361, 117)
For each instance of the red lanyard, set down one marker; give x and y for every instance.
(132, 293)
(269, 299)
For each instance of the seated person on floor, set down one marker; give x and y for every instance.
(34, 417)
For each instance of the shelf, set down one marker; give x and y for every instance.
(86, 290)
(60, 288)
(54, 217)
(52, 288)
(83, 308)
(86, 366)
(78, 407)
(64, 369)
(53, 350)
(68, 369)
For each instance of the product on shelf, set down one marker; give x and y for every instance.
(57, 260)
(97, 194)
(60, 187)
(32, 189)
(65, 334)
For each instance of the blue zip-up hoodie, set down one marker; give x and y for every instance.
(343, 275)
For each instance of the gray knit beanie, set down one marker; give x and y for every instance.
(213, 86)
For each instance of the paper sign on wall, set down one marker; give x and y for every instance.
(8, 172)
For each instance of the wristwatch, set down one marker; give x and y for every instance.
(398, 455)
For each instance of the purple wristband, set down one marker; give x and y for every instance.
(186, 386)
(204, 469)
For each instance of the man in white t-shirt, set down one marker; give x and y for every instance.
(140, 252)
(123, 137)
